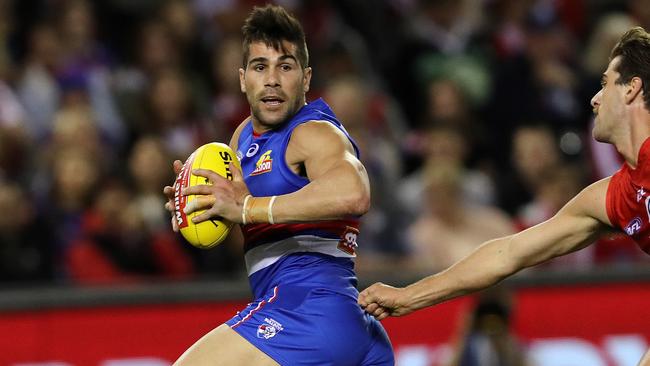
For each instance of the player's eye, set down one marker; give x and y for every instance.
(258, 67)
(286, 67)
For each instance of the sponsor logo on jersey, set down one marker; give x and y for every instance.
(264, 164)
(252, 150)
(348, 242)
(633, 226)
(269, 328)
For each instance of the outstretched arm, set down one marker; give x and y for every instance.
(577, 225)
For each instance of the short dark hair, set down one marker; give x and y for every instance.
(272, 24)
(634, 49)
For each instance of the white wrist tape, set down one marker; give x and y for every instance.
(243, 209)
(270, 210)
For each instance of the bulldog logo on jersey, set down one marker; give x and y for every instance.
(348, 242)
(264, 164)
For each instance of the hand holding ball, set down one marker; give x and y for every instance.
(217, 158)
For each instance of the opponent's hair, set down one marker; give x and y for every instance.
(634, 49)
(272, 24)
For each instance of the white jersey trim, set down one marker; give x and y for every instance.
(266, 254)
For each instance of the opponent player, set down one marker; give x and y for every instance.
(622, 201)
(299, 201)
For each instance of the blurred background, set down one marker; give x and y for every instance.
(473, 120)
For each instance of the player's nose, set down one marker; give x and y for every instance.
(595, 100)
(271, 78)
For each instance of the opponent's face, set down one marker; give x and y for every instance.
(608, 104)
(275, 84)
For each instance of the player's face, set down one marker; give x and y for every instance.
(275, 84)
(608, 104)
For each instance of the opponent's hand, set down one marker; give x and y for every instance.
(381, 301)
(169, 192)
(221, 199)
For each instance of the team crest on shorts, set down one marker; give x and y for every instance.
(268, 329)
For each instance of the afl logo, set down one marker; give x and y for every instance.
(633, 227)
(252, 150)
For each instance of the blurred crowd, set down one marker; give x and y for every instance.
(472, 116)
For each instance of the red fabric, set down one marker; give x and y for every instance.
(170, 256)
(264, 233)
(628, 199)
(88, 265)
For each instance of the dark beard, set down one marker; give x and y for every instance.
(289, 113)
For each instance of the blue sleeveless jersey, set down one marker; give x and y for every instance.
(305, 310)
(323, 251)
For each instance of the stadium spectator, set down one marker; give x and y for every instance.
(25, 255)
(174, 116)
(488, 339)
(449, 228)
(353, 100)
(163, 69)
(37, 87)
(116, 247)
(446, 143)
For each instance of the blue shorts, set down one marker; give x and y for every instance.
(298, 325)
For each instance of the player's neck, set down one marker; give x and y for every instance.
(631, 142)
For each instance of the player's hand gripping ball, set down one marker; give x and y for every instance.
(216, 157)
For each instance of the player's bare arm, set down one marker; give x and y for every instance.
(338, 185)
(582, 220)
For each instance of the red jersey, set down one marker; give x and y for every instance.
(628, 199)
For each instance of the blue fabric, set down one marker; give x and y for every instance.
(305, 310)
(279, 179)
(306, 325)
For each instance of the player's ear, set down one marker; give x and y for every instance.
(242, 80)
(634, 89)
(306, 79)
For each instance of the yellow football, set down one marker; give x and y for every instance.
(214, 156)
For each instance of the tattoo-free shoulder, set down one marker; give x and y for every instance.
(235, 136)
(592, 201)
(321, 135)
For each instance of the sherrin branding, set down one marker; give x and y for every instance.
(214, 156)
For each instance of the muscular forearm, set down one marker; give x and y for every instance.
(488, 265)
(342, 193)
